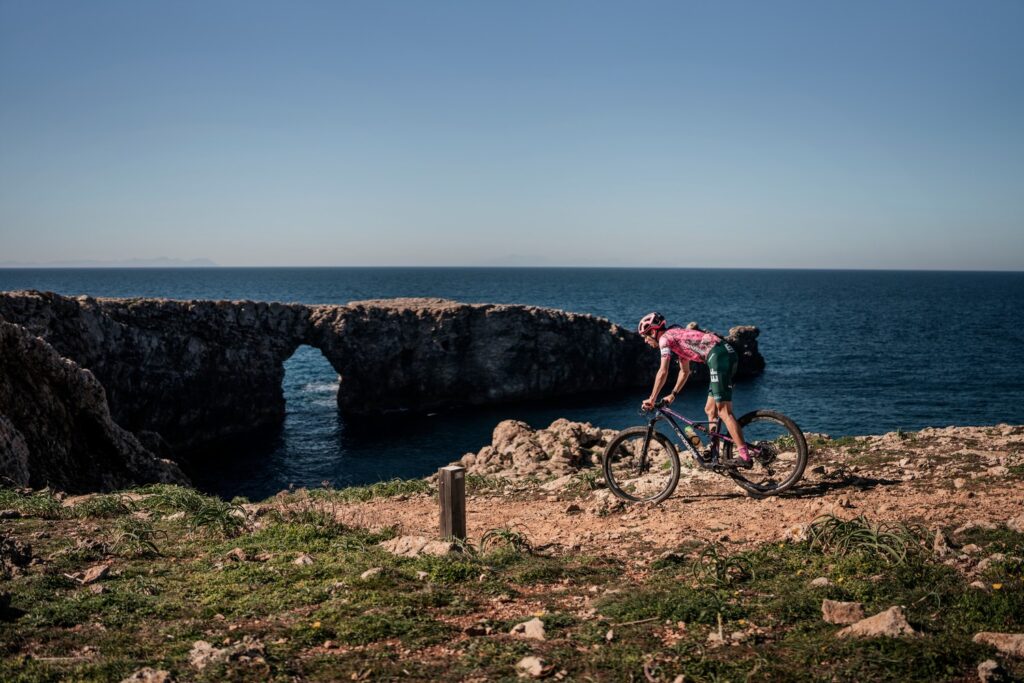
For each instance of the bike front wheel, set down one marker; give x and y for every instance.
(641, 465)
(778, 449)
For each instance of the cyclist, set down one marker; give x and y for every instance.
(693, 344)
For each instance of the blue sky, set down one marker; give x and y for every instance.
(729, 134)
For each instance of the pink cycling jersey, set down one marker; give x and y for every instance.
(687, 344)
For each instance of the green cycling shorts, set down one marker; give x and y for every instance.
(722, 363)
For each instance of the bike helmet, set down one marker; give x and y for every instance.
(651, 321)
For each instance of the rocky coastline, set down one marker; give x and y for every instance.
(180, 375)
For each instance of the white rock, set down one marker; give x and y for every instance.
(534, 628)
(1008, 643)
(820, 582)
(892, 623)
(533, 667)
(303, 560)
(371, 573)
(989, 671)
(149, 675)
(414, 546)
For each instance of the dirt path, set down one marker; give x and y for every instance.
(936, 478)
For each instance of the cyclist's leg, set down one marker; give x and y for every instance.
(711, 410)
(722, 362)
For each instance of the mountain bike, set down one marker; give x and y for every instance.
(641, 464)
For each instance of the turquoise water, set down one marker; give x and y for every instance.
(848, 352)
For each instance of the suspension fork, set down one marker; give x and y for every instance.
(647, 444)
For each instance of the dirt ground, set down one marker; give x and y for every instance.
(937, 477)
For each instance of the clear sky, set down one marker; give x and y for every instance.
(868, 134)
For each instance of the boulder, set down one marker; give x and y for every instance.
(891, 623)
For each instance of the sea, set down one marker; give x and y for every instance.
(847, 352)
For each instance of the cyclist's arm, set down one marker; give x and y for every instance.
(659, 379)
(684, 374)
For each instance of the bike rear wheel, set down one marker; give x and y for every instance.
(779, 451)
(641, 465)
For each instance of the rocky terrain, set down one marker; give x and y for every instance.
(181, 375)
(55, 425)
(900, 557)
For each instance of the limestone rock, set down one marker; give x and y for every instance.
(940, 545)
(149, 675)
(94, 574)
(892, 623)
(562, 449)
(989, 671)
(304, 560)
(820, 582)
(1008, 643)
(533, 667)
(534, 628)
(835, 612)
(371, 573)
(56, 428)
(195, 371)
(203, 654)
(414, 546)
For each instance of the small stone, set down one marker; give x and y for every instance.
(202, 654)
(610, 636)
(820, 582)
(476, 630)
(534, 628)
(998, 471)
(573, 509)
(989, 671)
(422, 575)
(93, 574)
(1016, 524)
(149, 675)
(892, 623)
(1008, 643)
(940, 545)
(959, 483)
(371, 573)
(981, 585)
(989, 561)
(238, 555)
(97, 589)
(533, 667)
(971, 549)
(175, 516)
(836, 612)
(818, 469)
(303, 560)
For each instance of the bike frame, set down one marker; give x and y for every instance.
(715, 464)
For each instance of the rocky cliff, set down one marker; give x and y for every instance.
(193, 371)
(55, 425)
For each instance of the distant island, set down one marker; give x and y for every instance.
(161, 262)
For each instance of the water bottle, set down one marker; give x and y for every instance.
(692, 437)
